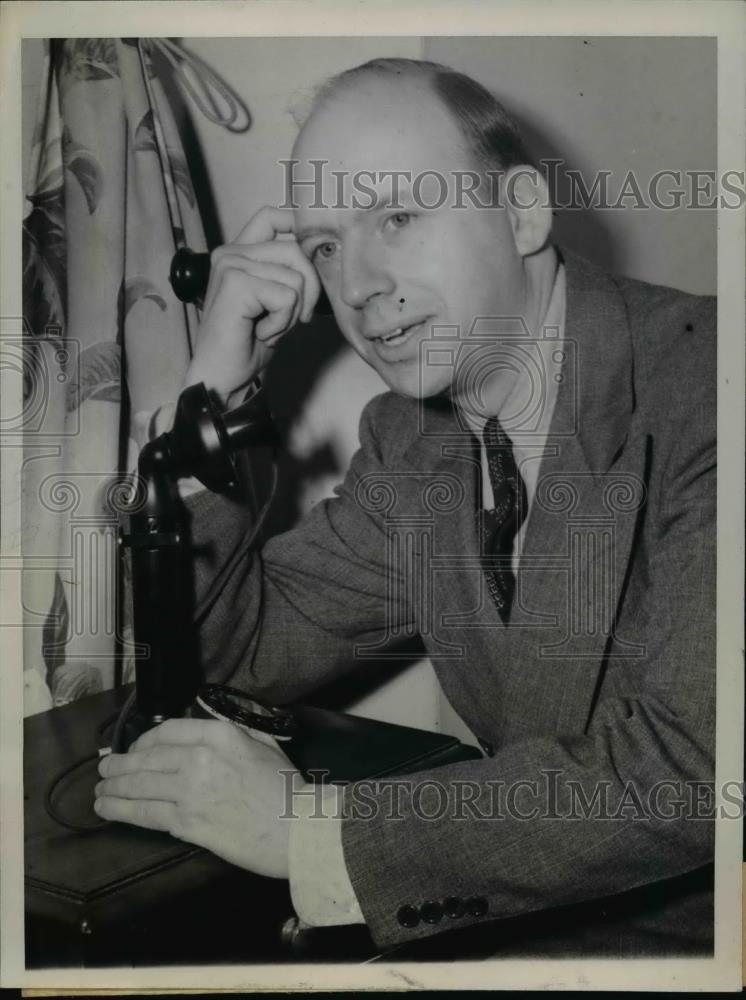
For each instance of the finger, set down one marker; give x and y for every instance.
(166, 759)
(291, 255)
(271, 327)
(266, 224)
(280, 303)
(258, 295)
(186, 732)
(280, 274)
(141, 785)
(287, 254)
(251, 298)
(149, 814)
(239, 258)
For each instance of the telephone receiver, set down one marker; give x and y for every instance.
(190, 273)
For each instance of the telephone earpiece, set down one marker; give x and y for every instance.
(190, 274)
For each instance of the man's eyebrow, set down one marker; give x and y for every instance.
(306, 231)
(378, 203)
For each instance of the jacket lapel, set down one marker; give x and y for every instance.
(578, 536)
(583, 518)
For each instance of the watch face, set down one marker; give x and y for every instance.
(256, 708)
(234, 706)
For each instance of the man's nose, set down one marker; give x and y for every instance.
(363, 276)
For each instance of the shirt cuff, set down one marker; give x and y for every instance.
(320, 887)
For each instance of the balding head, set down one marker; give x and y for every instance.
(377, 181)
(491, 136)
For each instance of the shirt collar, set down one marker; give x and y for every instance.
(553, 329)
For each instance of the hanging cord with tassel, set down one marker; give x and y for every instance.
(205, 87)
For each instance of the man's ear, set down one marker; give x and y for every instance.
(529, 209)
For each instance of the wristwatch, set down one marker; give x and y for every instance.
(232, 705)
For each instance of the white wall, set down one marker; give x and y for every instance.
(270, 74)
(642, 104)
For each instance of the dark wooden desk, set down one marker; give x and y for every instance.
(122, 895)
(125, 896)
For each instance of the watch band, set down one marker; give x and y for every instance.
(233, 705)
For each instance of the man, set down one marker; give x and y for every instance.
(564, 554)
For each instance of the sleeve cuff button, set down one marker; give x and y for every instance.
(477, 907)
(431, 912)
(408, 916)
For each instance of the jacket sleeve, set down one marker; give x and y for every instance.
(280, 621)
(551, 821)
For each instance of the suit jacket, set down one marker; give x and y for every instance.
(596, 706)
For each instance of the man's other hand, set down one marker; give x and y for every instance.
(208, 783)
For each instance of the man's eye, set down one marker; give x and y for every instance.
(399, 220)
(325, 251)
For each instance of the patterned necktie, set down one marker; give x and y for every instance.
(499, 525)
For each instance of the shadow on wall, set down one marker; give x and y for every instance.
(581, 230)
(297, 364)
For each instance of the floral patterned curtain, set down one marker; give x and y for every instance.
(109, 200)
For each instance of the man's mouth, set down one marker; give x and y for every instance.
(398, 336)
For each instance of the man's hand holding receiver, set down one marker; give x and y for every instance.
(260, 287)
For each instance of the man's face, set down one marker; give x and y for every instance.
(399, 266)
